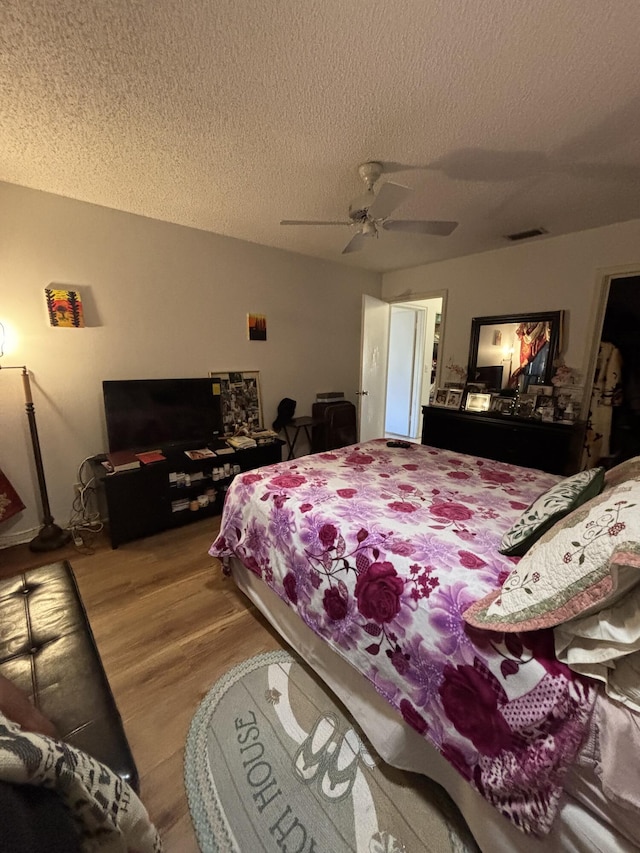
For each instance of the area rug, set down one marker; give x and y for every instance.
(273, 762)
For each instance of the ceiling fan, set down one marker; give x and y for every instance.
(370, 211)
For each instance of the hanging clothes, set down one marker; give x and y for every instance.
(606, 393)
(533, 337)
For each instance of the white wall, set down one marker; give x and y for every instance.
(552, 274)
(160, 300)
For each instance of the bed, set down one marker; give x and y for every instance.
(366, 560)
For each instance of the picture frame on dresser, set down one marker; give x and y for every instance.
(454, 398)
(440, 398)
(525, 405)
(501, 405)
(477, 401)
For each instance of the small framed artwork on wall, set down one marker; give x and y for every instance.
(257, 327)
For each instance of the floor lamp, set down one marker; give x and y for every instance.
(50, 535)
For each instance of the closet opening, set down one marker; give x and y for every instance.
(613, 432)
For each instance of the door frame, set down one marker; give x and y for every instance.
(416, 368)
(604, 276)
(408, 299)
(417, 297)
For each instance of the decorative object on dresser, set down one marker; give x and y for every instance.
(551, 447)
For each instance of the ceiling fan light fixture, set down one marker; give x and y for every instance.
(360, 205)
(371, 210)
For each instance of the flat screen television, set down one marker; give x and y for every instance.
(148, 413)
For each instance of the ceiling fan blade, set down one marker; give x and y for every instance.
(309, 222)
(355, 243)
(435, 227)
(388, 197)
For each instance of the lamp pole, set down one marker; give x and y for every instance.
(50, 535)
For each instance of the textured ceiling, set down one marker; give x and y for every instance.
(230, 115)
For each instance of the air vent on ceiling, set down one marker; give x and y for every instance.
(526, 235)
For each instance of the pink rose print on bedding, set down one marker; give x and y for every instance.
(358, 458)
(402, 506)
(459, 475)
(288, 481)
(450, 513)
(327, 535)
(291, 587)
(471, 561)
(336, 603)
(498, 478)
(411, 716)
(378, 592)
(470, 701)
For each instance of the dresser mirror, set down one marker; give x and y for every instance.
(514, 351)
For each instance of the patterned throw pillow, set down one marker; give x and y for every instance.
(578, 567)
(554, 504)
(107, 813)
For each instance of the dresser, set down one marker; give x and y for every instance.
(552, 447)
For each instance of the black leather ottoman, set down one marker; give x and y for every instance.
(47, 648)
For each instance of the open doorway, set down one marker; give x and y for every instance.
(414, 336)
(378, 380)
(613, 426)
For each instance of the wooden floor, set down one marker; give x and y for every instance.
(168, 625)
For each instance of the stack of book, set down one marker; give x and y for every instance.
(149, 456)
(121, 460)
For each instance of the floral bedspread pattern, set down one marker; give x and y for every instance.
(380, 550)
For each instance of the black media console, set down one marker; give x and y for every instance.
(143, 501)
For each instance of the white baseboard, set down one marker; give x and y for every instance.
(18, 538)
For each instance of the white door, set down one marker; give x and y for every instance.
(373, 367)
(401, 371)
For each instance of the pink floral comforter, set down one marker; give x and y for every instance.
(380, 551)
